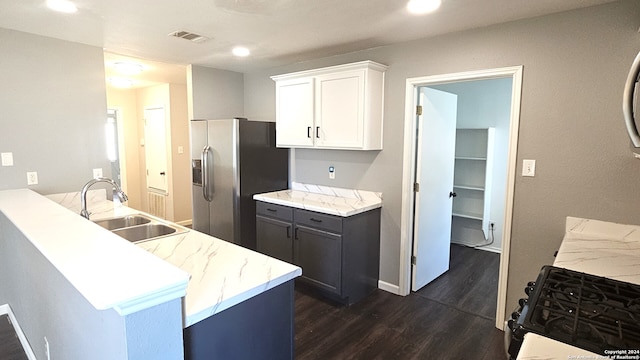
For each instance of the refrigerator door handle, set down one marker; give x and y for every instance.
(205, 173)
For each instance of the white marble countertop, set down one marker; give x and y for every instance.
(103, 267)
(222, 274)
(536, 347)
(601, 248)
(324, 199)
(594, 247)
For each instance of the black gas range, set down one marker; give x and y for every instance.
(586, 311)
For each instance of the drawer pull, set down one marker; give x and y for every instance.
(315, 220)
(272, 210)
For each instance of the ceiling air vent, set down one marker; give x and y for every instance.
(189, 36)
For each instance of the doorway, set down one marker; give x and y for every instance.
(408, 238)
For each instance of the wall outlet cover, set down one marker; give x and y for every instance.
(97, 173)
(32, 178)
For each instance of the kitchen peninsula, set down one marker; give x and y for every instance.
(85, 290)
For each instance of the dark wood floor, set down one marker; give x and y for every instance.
(10, 347)
(438, 322)
(451, 318)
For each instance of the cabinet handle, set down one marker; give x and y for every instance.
(315, 220)
(288, 232)
(318, 132)
(272, 210)
(295, 233)
(309, 132)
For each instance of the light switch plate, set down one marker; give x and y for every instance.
(7, 159)
(528, 168)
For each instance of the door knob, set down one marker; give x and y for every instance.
(162, 173)
(452, 194)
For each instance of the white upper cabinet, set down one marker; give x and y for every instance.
(339, 107)
(294, 108)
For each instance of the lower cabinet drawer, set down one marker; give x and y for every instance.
(320, 221)
(275, 211)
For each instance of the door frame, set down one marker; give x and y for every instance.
(409, 171)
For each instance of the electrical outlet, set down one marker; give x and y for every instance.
(332, 172)
(97, 173)
(32, 178)
(46, 348)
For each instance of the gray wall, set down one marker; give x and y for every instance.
(575, 65)
(52, 112)
(214, 94)
(46, 304)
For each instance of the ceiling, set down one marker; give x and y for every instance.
(277, 32)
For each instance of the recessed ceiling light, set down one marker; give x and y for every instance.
(64, 6)
(128, 68)
(120, 82)
(240, 51)
(420, 7)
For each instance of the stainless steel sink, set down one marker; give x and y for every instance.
(138, 227)
(123, 222)
(144, 232)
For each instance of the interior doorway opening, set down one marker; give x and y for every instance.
(413, 90)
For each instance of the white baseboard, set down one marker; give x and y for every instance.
(6, 309)
(394, 289)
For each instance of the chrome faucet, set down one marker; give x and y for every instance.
(117, 191)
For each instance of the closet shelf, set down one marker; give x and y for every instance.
(468, 215)
(472, 158)
(469, 187)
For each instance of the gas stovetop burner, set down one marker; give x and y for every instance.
(583, 310)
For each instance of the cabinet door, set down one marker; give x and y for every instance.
(340, 110)
(294, 112)
(319, 253)
(273, 238)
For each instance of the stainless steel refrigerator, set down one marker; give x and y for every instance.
(232, 160)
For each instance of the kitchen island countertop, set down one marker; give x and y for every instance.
(222, 274)
(324, 199)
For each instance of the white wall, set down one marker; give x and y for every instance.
(575, 66)
(52, 112)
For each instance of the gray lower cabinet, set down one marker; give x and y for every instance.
(339, 256)
(274, 231)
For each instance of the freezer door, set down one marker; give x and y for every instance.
(200, 205)
(223, 172)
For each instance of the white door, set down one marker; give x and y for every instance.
(434, 174)
(155, 148)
